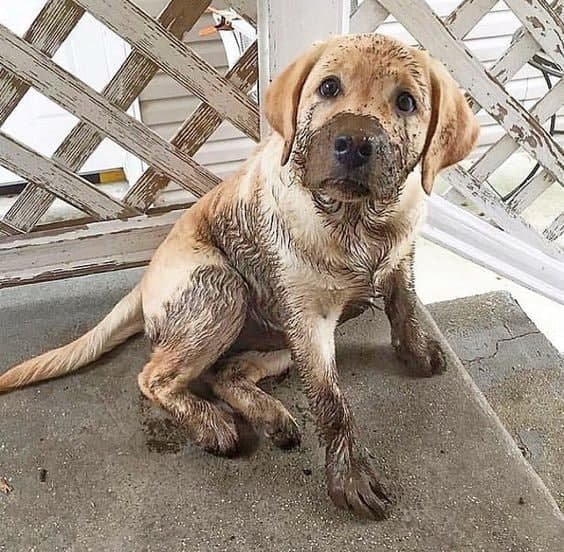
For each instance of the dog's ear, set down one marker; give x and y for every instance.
(283, 96)
(453, 128)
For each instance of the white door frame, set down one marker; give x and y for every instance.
(280, 42)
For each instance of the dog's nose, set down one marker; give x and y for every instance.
(352, 152)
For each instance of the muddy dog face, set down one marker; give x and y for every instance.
(358, 113)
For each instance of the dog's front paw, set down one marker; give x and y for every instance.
(424, 356)
(354, 484)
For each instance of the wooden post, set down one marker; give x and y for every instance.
(288, 27)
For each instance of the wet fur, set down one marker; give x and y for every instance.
(259, 272)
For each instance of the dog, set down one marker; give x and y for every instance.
(320, 220)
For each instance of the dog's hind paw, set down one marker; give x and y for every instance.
(220, 438)
(286, 433)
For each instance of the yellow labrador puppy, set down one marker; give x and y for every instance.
(318, 222)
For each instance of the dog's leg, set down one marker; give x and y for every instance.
(189, 336)
(413, 345)
(235, 383)
(352, 481)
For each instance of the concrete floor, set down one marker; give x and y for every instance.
(442, 275)
(94, 467)
(517, 369)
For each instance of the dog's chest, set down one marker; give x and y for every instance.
(293, 249)
(343, 261)
(287, 270)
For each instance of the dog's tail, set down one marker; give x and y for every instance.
(125, 320)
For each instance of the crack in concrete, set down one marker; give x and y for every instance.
(506, 326)
(497, 345)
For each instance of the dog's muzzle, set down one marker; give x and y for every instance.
(350, 158)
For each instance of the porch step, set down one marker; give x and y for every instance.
(518, 370)
(119, 476)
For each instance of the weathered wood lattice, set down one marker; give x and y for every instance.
(543, 30)
(26, 62)
(123, 231)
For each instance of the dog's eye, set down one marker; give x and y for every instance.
(330, 87)
(405, 103)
